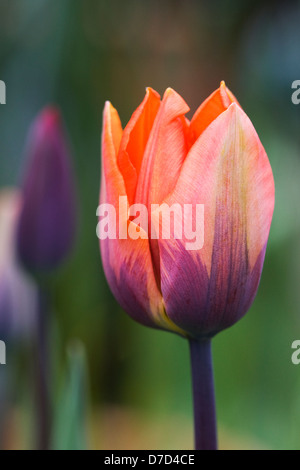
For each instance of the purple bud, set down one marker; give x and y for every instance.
(47, 221)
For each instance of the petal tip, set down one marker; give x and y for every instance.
(107, 108)
(49, 120)
(169, 92)
(171, 96)
(226, 95)
(51, 114)
(151, 91)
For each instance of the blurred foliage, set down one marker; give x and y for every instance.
(70, 414)
(78, 54)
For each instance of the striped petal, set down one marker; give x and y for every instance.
(134, 141)
(228, 171)
(127, 263)
(165, 151)
(209, 110)
(163, 158)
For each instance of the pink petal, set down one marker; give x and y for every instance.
(127, 263)
(228, 171)
(165, 151)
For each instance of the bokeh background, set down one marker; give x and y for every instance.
(77, 54)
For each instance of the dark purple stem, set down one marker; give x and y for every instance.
(204, 395)
(43, 376)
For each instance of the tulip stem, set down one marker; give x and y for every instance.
(42, 375)
(4, 405)
(204, 396)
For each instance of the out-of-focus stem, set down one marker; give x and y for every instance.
(203, 395)
(43, 404)
(4, 404)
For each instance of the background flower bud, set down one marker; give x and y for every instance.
(47, 220)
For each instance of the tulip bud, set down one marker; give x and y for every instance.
(215, 160)
(47, 220)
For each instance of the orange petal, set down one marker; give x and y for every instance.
(209, 110)
(111, 138)
(165, 151)
(127, 263)
(134, 140)
(163, 158)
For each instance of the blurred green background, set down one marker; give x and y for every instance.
(79, 53)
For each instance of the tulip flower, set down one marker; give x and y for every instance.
(162, 159)
(47, 220)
